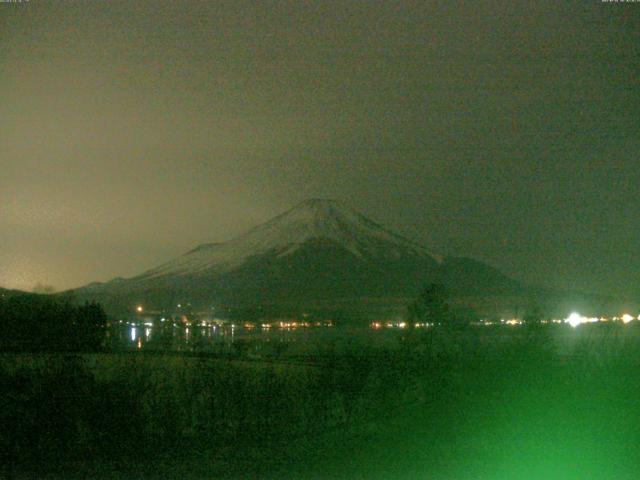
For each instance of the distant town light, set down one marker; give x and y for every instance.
(139, 308)
(574, 319)
(626, 318)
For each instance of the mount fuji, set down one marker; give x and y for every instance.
(319, 254)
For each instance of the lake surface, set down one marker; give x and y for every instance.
(251, 341)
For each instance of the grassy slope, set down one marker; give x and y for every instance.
(490, 411)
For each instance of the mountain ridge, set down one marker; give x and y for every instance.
(285, 233)
(319, 251)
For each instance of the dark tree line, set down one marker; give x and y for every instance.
(431, 306)
(42, 323)
(434, 306)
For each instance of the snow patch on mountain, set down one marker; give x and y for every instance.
(313, 219)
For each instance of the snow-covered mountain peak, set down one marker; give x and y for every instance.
(314, 219)
(319, 217)
(322, 219)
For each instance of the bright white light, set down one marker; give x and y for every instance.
(574, 319)
(139, 308)
(626, 318)
(133, 334)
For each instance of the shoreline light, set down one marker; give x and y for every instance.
(575, 319)
(626, 318)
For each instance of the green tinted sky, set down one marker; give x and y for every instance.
(508, 131)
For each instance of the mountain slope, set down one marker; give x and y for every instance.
(319, 252)
(285, 234)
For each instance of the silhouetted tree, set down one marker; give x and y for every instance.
(533, 315)
(31, 322)
(431, 306)
(91, 321)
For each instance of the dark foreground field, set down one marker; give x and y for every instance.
(490, 404)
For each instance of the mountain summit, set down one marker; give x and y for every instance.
(320, 252)
(319, 220)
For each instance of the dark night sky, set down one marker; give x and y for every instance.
(508, 131)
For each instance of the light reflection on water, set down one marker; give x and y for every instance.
(273, 340)
(229, 338)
